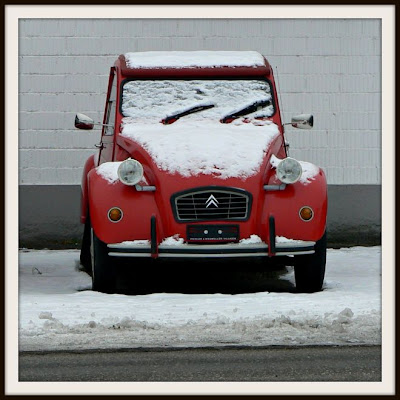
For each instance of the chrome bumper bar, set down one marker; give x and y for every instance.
(298, 247)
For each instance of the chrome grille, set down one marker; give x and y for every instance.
(212, 204)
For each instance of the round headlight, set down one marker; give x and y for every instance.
(289, 170)
(130, 172)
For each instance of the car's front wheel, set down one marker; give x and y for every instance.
(85, 257)
(104, 274)
(309, 270)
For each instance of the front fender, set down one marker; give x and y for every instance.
(137, 208)
(89, 165)
(285, 205)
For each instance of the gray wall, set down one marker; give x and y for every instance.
(328, 67)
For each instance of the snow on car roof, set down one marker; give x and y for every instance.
(193, 59)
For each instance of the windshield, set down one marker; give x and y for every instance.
(156, 99)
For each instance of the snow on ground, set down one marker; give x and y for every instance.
(57, 309)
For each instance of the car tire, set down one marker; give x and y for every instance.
(85, 257)
(104, 274)
(309, 270)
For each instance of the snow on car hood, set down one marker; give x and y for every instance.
(233, 150)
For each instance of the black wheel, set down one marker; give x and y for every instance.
(85, 256)
(309, 270)
(104, 274)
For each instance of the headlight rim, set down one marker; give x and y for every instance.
(281, 165)
(137, 164)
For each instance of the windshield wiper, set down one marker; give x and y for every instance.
(169, 119)
(255, 106)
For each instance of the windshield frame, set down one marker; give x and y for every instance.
(238, 78)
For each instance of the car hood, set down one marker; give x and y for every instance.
(235, 150)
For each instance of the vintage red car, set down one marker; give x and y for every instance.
(193, 163)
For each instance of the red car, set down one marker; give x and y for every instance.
(193, 163)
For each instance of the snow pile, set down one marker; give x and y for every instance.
(253, 239)
(191, 149)
(176, 240)
(193, 59)
(283, 239)
(109, 171)
(57, 309)
(309, 171)
(172, 241)
(128, 243)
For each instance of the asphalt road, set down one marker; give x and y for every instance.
(309, 364)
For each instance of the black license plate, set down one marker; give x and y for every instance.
(212, 233)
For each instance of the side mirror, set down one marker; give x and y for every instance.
(303, 121)
(82, 121)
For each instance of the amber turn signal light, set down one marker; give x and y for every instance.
(306, 213)
(115, 214)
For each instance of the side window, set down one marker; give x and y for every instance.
(111, 105)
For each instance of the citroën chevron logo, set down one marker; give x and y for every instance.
(212, 201)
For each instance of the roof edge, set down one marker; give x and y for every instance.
(199, 71)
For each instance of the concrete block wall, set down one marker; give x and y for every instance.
(328, 67)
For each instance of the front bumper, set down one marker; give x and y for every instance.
(230, 250)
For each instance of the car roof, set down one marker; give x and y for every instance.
(191, 64)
